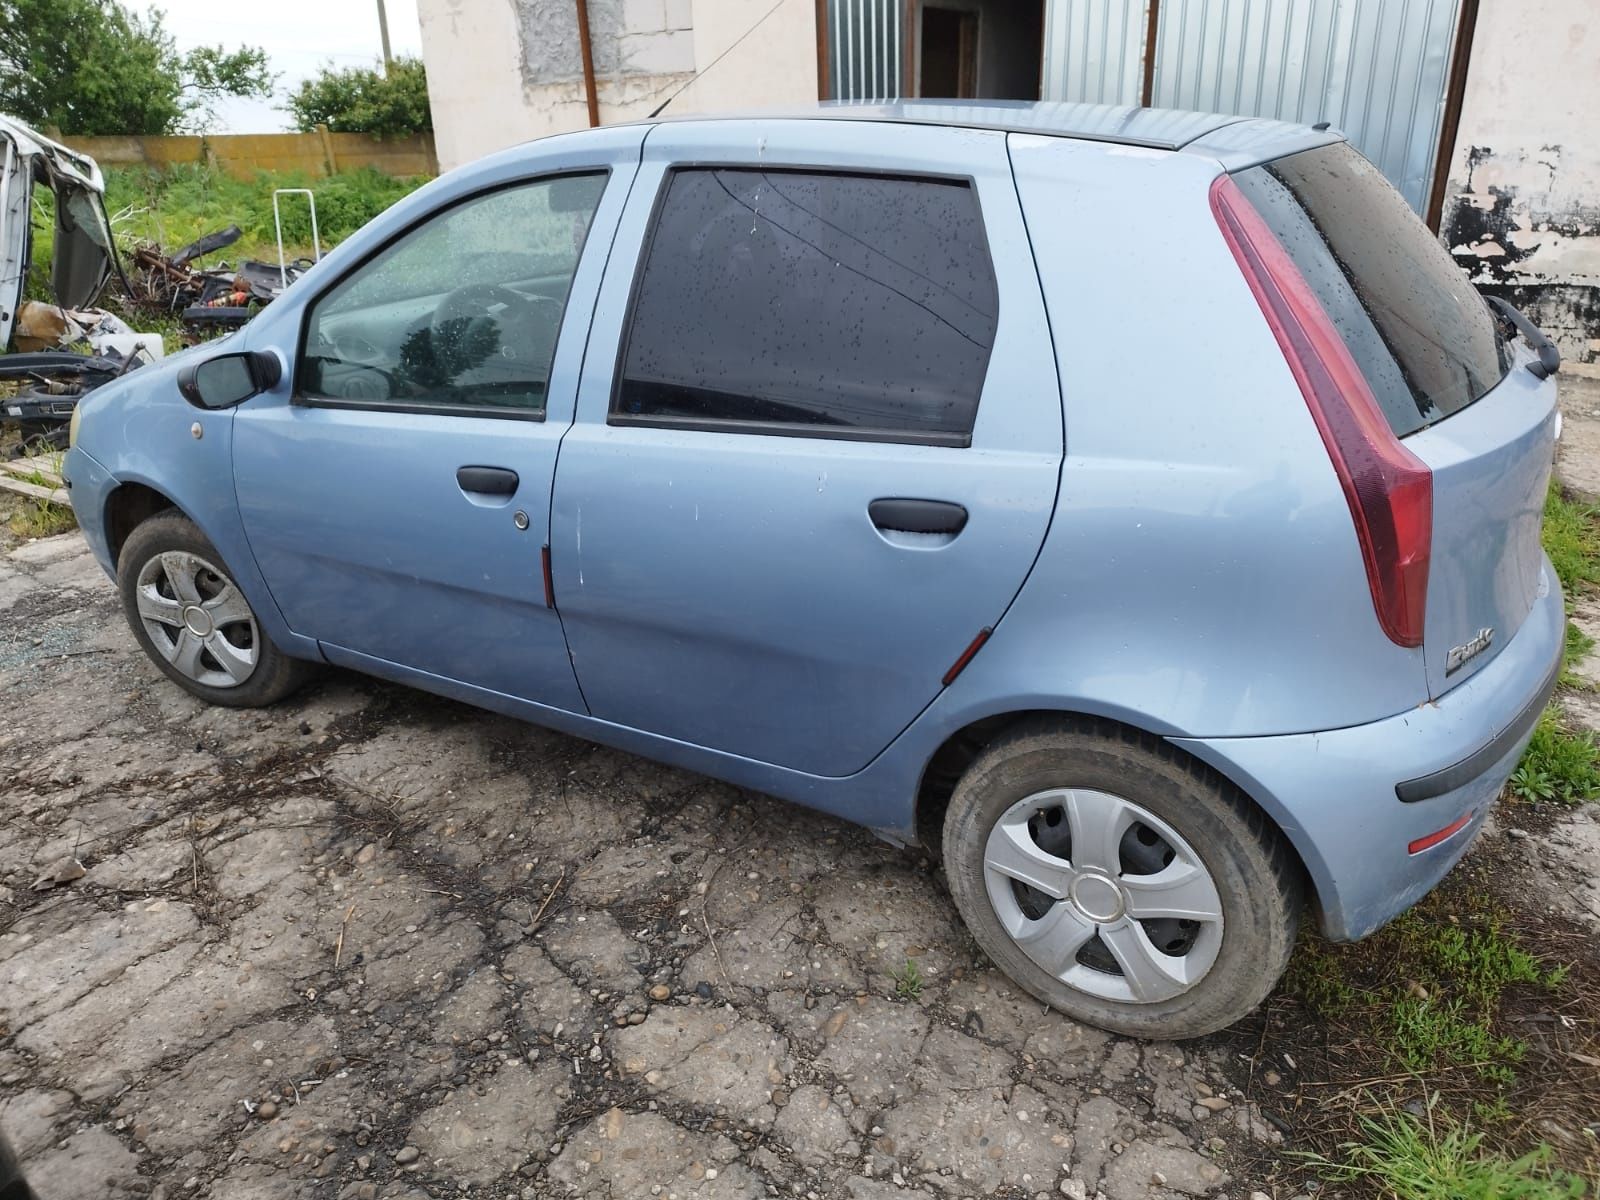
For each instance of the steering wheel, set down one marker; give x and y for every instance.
(524, 333)
(471, 304)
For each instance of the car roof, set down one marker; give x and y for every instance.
(1234, 140)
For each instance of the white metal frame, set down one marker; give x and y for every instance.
(277, 225)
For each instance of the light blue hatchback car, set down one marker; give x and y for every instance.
(1138, 508)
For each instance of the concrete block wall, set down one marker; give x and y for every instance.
(504, 73)
(1522, 211)
(242, 155)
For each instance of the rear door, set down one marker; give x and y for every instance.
(819, 452)
(1453, 387)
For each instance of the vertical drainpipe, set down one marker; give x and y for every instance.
(1152, 29)
(589, 95)
(822, 50)
(1450, 122)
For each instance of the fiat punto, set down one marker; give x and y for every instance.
(1137, 508)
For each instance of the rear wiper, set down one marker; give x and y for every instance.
(1549, 357)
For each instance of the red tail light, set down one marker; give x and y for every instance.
(1390, 490)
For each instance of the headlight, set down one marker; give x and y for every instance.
(72, 427)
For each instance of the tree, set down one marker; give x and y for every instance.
(95, 67)
(364, 100)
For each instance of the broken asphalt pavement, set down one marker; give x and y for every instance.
(370, 943)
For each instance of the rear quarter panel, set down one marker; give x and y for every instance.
(1202, 574)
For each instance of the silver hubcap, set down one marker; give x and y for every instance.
(1103, 895)
(197, 619)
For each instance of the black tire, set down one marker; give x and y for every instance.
(1256, 875)
(274, 676)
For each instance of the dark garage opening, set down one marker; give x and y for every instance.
(988, 49)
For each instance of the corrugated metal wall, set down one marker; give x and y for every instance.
(865, 45)
(1376, 69)
(1094, 51)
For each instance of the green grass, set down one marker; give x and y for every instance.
(1577, 648)
(1316, 977)
(41, 518)
(1412, 1159)
(1446, 1014)
(908, 981)
(38, 517)
(1558, 764)
(176, 205)
(1428, 990)
(1572, 540)
(1479, 963)
(1433, 993)
(1423, 1034)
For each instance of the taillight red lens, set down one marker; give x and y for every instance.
(1389, 489)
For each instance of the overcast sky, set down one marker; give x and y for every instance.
(298, 36)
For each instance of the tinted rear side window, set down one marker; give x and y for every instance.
(797, 302)
(1419, 331)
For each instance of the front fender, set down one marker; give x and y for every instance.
(139, 430)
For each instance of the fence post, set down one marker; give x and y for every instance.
(327, 149)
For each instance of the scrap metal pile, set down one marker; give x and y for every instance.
(40, 384)
(54, 351)
(206, 299)
(64, 348)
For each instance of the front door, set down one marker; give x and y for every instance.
(398, 507)
(824, 458)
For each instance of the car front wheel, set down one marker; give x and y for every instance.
(194, 622)
(1119, 881)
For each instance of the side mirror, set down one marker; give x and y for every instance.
(229, 379)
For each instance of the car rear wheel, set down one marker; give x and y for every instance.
(1119, 881)
(194, 622)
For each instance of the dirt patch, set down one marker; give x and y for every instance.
(1580, 433)
(1331, 1045)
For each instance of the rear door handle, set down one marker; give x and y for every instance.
(487, 481)
(918, 516)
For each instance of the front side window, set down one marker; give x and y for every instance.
(823, 304)
(459, 314)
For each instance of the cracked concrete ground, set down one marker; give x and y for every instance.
(372, 943)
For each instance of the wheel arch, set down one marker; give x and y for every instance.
(128, 506)
(947, 764)
(135, 500)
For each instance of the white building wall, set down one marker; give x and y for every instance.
(1523, 207)
(502, 72)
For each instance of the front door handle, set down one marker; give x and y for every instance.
(487, 481)
(918, 516)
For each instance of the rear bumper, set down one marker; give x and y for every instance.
(1338, 795)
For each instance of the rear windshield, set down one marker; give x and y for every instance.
(1419, 331)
